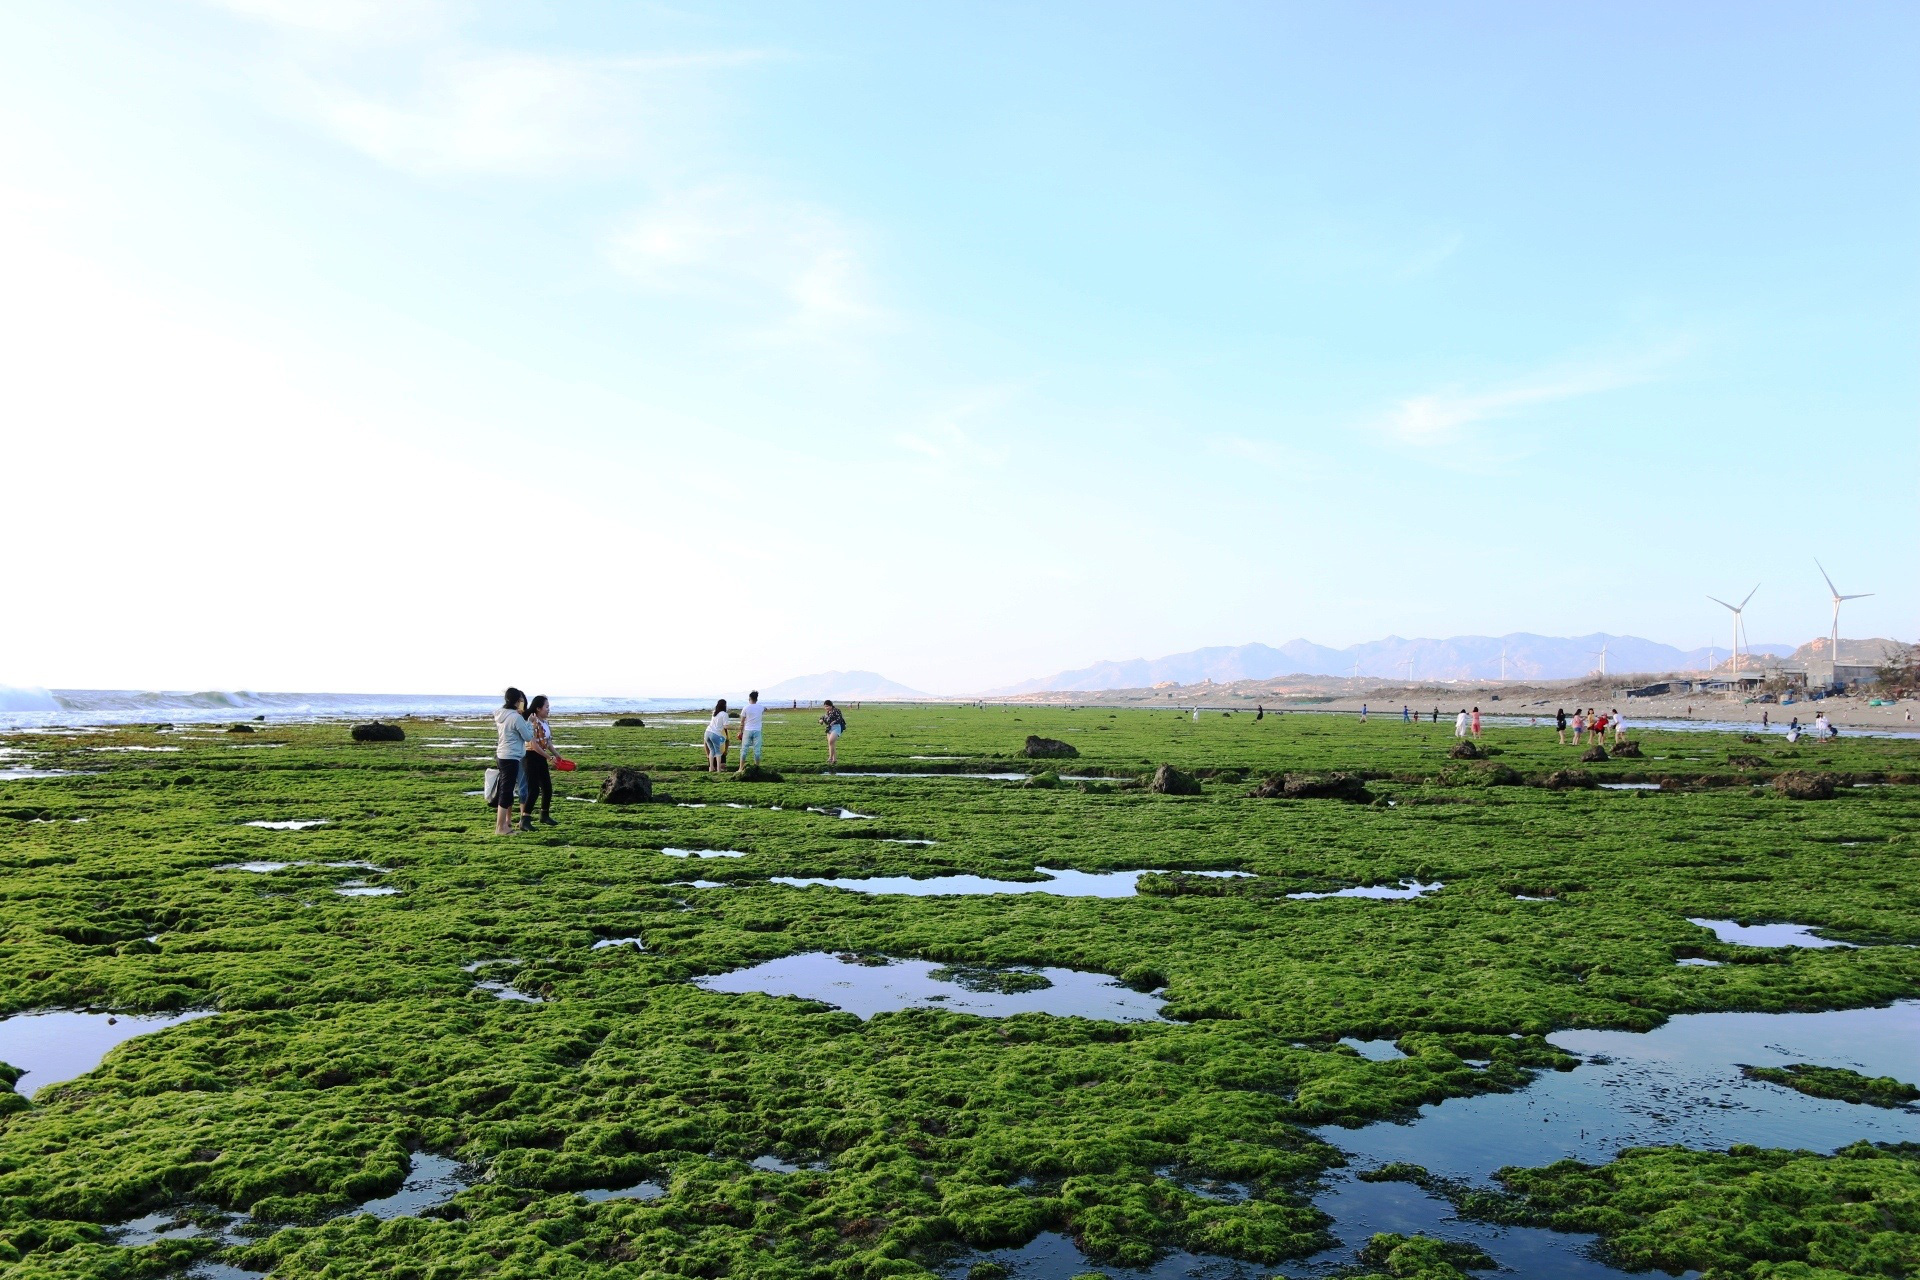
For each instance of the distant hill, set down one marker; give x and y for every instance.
(841, 684)
(1865, 653)
(1455, 658)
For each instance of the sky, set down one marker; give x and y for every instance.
(405, 346)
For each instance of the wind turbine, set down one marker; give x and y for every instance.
(1834, 653)
(1601, 653)
(1408, 664)
(1356, 670)
(1733, 663)
(1503, 659)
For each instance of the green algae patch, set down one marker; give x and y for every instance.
(1837, 1083)
(352, 1035)
(1746, 1213)
(1422, 1258)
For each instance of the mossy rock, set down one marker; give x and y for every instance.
(377, 732)
(1626, 751)
(1039, 748)
(1046, 779)
(1349, 787)
(240, 728)
(1796, 784)
(1595, 754)
(1466, 749)
(1837, 1083)
(756, 773)
(1569, 780)
(629, 722)
(1423, 1258)
(1169, 781)
(626, 786)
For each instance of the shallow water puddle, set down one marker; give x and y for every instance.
(1064, 884)
(1698, 962)
(868, 989)
(1406, 889)
(291, 824)
(838, 813)
(887, 840)
(20, 775)
(501, 990)
(1374, 1050)
(771, 1163)
(704, 853)
(1679, 1084)
(265, 867)
(1629, 786)
(638, 1191)
(356, 889)
(604, 943)
(431, 1180)
(1767, 935)
(65, 1044)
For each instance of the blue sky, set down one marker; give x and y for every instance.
(659, 348)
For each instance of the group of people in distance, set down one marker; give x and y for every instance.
(1590, 724)
(523, 762)
(718, 738)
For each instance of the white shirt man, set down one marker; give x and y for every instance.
(750, 718)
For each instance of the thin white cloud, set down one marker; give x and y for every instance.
(350, 18)
(790, 268)
(1454, 415)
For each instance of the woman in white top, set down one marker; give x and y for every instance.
(716, 738)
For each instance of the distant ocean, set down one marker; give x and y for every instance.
(35, 708)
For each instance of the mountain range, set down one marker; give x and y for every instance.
(1528, 656)
(846, 685)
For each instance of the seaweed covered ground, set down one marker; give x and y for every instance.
(358, 1034)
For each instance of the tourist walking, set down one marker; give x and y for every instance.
(1460, 724)
(1619, 726)
(1579, 725)
(1406, 714)
(1476, 722)
(536, 773)
(716, 738)
(1363, 713)
(836, 724)
(514, 733)
(751, 716)
(1436, 715)
(1560, 723)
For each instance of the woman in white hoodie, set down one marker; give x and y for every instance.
(515, 735)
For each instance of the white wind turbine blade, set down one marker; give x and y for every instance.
(1835, 591)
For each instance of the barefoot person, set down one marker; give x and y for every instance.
(716, 738)
(1560, 723)
(751, 716)
(514, 735)
(1476, 722)
(1460, 724)
(836, 724)
(536, 773)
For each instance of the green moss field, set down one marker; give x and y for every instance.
(351, 1033)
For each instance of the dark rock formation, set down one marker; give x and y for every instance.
(1626, 751)
(377, 732)
(629, 722)
(1169, 781)
(1049, 748)
(626, 786)
(1568, 780)
(1465, 750)
(1350, 787)
(756, 773)
(1595, 754)
(1797, 785)
(239, 728)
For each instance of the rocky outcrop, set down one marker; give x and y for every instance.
(1595, 754)
(1169, 781)
(1349, 787)
(1626, 751)
(756, 773)
(239, 728)
(1568, 780)
(626, 786)
(1039, 748)
(1464, 750)
(1798, 785)
(377, 732)
(629, 722)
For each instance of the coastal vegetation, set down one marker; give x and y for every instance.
(352, 1034)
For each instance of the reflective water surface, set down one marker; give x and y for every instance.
(867, 989)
